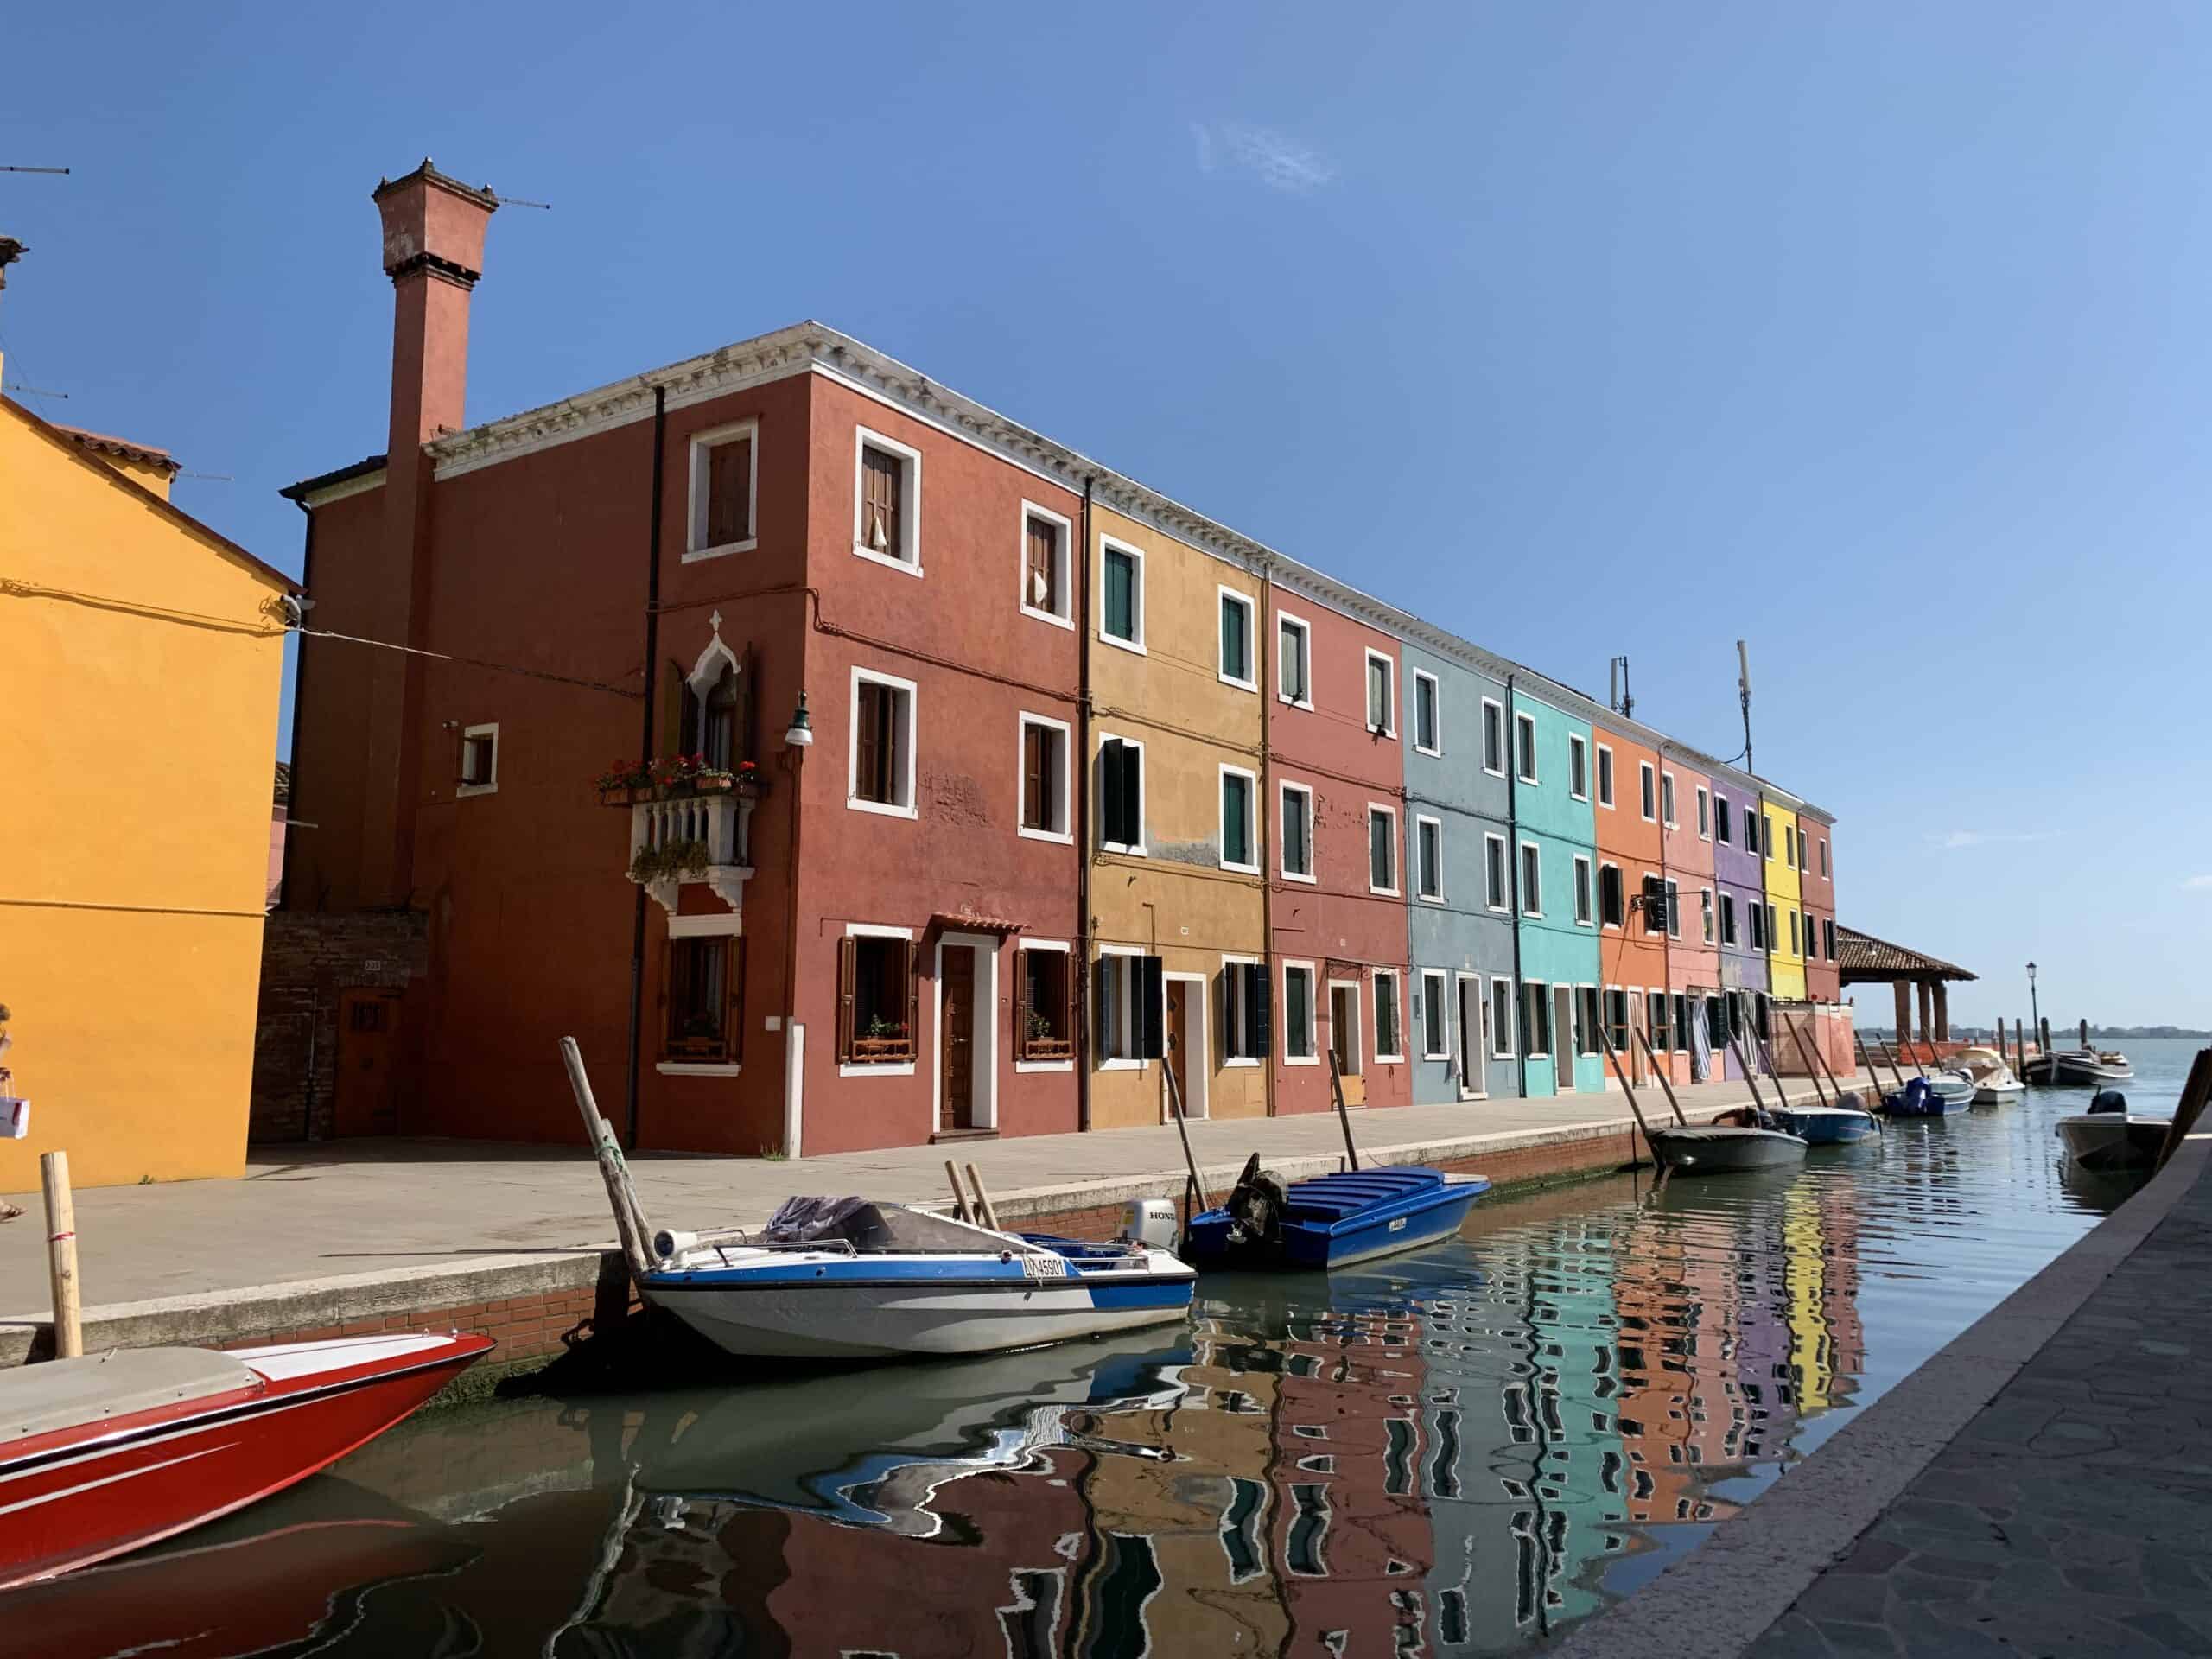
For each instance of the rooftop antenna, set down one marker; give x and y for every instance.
(33, 391)
(4, 169)
(1617, 697)
(1744, 692)
(516, 201)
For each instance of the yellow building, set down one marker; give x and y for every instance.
(1782, 858)
(1174, 677)
(141, 664)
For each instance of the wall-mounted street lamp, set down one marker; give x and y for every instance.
(799, 734)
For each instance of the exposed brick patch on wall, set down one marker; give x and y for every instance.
(525, 1327)
(307, 960)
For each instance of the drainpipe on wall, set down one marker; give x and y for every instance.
(1081, 817)
(1269, 646)
(1512, 740)
(794, 757)
(645, 753)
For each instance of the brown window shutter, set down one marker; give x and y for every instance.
(1068, 983)
(734, 1022)
(1044, 565)
(1022, 1005)
(867, 719)
(913, 999)
(729, 492)
(848, 962)
(678, 712)
(1035, 812)
(882, 503)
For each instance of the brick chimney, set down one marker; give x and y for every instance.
(433, 251)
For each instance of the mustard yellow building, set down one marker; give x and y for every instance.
(1780, 858)
(1178, 827)
(141, 660)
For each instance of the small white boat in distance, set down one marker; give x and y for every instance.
(856, 1280)
(1994, 1082)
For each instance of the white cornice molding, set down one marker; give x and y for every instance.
(814, 347)
(361, 484)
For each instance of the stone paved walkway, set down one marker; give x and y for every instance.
(2074, 1513)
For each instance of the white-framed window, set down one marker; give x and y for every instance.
(1045, 1006)
(1500, 1020)
(1535, 1019)
(725, 488)
(1532, 880)
(1428, 858)
(878, 1001)
(1613, 897)
(1382, 848)
(1044, 770)
(1246, 1001)
(1428, 731)
(1495, 874)
(1121, 795)
(1727, 919)
(1773, 930)
(1704, 814)
(1381, 694)
(1674, 911)
(1299, 1025)
(1704, 912)
(1493, 737)
(1296, 838)
(1586, 1021)
(887, 501)
(1605, 774)
(1827, 936)
(479, 772)
(1435, 1016)
(1793, 933)
(1824, 856)
(1647, 782)
(1240, 828)
(1723, 830)
(1131, 1009)
(1389, 1027)
(879, 761)
(1294, 660)
(1524, 747)
(1758, 926)
(1237, 666)
(1766, 838)
(1578, 766)
(1616, 1020)
(1789, 845)
(1120, 595)
(1667, 799)
(1583, 909)
(1657, 1023)
(1046, 593)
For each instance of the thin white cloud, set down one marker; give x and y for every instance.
(1278, 162)
(1985, 838)
(2198, 883)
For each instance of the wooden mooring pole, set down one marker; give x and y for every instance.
(62, 1255)
(1629, 1088)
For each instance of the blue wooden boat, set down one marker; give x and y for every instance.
(1330, 1221)
(1917, 1099)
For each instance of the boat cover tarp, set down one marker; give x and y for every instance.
(40, 1399)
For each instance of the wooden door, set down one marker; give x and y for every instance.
(1344, 1040)
(1177, 1056)
(1474, 1078)
(956, 1038)
(366, 1100)
(1563, 1036)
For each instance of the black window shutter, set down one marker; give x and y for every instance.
(1259, 1004)
(1132, 794)
(1152, 1038)
(1109, 789)
(1099, 1048)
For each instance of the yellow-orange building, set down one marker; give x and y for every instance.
(1783, 859)
(1175, 672)
(141, 662)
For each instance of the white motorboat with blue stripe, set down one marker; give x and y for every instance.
(850, 1279)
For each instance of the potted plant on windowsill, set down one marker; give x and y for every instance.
(624, 782)
(885, 1042)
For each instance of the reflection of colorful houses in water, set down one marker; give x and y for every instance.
(1525, 1482)
(1828, 1349)
(1348, 1529)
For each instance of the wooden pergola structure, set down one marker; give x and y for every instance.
(1862, 959)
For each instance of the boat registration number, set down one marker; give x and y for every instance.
(1399, 1225)
(1044, 1266)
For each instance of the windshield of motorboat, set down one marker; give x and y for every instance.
(895, 1229)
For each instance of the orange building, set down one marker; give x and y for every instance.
(1630, 808)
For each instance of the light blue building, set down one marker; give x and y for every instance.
(1553, 834)
(1460, 891)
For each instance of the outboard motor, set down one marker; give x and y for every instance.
(2109, 1100)
(1255, 1206)
(1150, 1222)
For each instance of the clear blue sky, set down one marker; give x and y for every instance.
(1873, 333)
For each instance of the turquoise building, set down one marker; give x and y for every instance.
(1554, 847)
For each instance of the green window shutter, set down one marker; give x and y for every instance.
(1120, 595)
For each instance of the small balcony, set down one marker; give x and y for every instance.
(703, 837)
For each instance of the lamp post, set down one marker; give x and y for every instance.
(2034, 1008)
(798, 737)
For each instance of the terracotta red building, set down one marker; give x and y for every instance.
(658, 568)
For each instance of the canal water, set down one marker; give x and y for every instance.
(1461, 1451)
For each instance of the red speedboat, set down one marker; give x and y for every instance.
(102, 1455)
